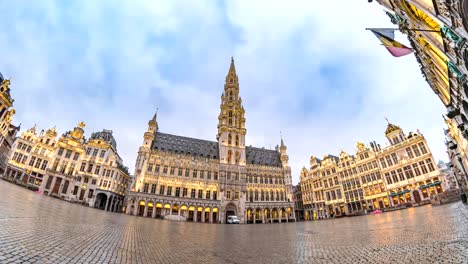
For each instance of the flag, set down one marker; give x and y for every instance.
(386, 36)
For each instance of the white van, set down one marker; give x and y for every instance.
(233, 219)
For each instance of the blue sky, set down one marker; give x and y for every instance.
(306, 68)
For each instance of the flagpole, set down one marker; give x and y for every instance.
(410, 29)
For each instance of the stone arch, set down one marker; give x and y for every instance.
(101, 200)
(206, 214)
(184, 210)
(230, 209)
(149, 210)
(141, 207)
(257, 215)
(159, 209)
(191, 213)
(215, 214)
(249, 215)
(267, 215)
(175, 209)
(199, 213)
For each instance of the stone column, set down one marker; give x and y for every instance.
(153, 215)
(52, 185)
(178, 213)
(211, 215)
(146, 209)
(255, 217)
(263, 216)
(203, 216)
(195, 213)
(107, 202)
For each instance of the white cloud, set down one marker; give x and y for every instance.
(112, 65)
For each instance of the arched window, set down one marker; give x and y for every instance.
(256, 195)
(277, 196)
(237, 140)
(230, 96)
(262, 197)
(229, 156)
(267, 196)
(237, 157)
(230, 118)
(272, 196)
(229, 139)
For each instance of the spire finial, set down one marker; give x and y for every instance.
(281, 136)
(155, 114)
(387, 120)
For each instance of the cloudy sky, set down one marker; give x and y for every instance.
(306, 68)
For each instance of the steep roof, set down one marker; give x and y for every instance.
(262, 156)
(186, 145)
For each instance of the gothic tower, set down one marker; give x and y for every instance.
(144, 153)
(286, 170)
(231, 140)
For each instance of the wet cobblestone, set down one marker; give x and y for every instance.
(40, 229)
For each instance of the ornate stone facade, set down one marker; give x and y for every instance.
(374, 178)
(7, 129)
(70, 167)
(438, 33)
(199, 180)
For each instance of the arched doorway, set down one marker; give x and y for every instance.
(249, 216)
(207, 215)
(158, 210)
(266, 215)
(417, 196)
(149, 213)
(141, 208)
(175, 209)
(275, 215)
(215, 215)
(101, 200)
(230, 210)
(199, 214)
(191, 213)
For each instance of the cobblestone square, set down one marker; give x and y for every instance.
(39, 229)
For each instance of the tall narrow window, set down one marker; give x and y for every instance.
(237, 157)
(229, 139)
(237, 140)
(229, 158)
(230, 118)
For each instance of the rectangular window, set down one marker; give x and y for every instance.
(387, 177)
(103, 152)
(145, 187)
(90, 168)
(215, 177)
(192, 193)
(32, 160)
(422, 147)
(208, 175)
(171, 171)
(95, 152)
(202, 174)
(409, 152)
(228, 195)
(177, 191)
(83, 165)
(416, 151)
(179, 171)
(401, 176)
(75, 190)
(423, 167)
(194, 174)
(75, 157)
(236, 195)
(430, 165)
(389, 160)
(165, 170)
(208, 195)
(86, 180)
(68, 154)
(161, 190)
(38, 163)
(88, 151)
(200, 194)
(184, 192)
(408, 172)
(90, 193)
(44, 165)
(215, 195)
(228, 177)
(150, 167)
(187, 172)
(394, 176)
(60, 152)
(416, 169)
(156, 169)
(394, 158)
(336, 180)
(97, 170)
(382, 162)
(169, 190)
(153, 188)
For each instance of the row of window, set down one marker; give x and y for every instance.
(263, 180)
(351, 184)
(168, 191)
(95, 152)
(184, 172)
(373, 176)
(333, 195)
(20, 158)
(374, 189)
(24, 147)
(68, 153)
(409, 171)
(413, 151)
(265, 196)
(354, 195)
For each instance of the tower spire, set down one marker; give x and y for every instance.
(155, 114)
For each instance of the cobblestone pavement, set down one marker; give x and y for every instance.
(38, 229)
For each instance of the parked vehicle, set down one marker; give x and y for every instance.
(233, 219)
